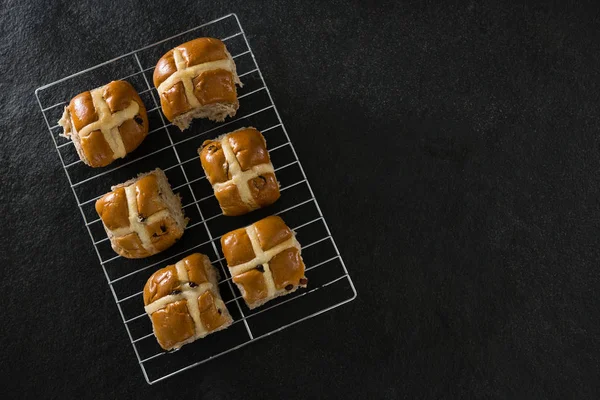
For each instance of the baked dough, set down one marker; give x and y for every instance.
(240, 171)
(142, 216)
(264, 260)
(197, 80)
(183, 302)
(106, 123)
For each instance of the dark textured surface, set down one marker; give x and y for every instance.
(455, 153)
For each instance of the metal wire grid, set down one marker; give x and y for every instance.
(175, 153)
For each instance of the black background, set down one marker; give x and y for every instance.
(455, 152)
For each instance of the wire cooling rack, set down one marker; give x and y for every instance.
(175, 152)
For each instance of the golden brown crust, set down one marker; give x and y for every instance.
(277, 267)
(237, 247)
(96, 149)
(82, 111)
(147, 196)
(249, 147)
(194, 52)
(215, 86)
(165, 67)
(253, 284)
(210, 315)
(134, 130)
(162, 283)
(130, 246)
(287, 268)
(173, 324)
(112, 209)
(194, 266)
(264, 189)
(214, 163)
(202, 50)
(174, 101)
(118, 95)
(250, 150)
(272, 231)
(163, 233)
(176, 318)
(230, 201)
(166, 281)
(209, 87)
(157, 222)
